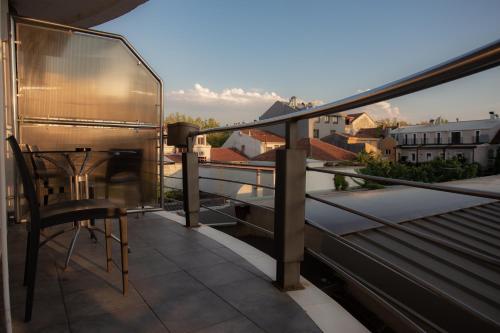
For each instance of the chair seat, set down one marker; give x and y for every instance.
(77, 210)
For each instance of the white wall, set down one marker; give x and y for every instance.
(249, 146)
(326, 127)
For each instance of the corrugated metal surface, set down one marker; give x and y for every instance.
(466, 280)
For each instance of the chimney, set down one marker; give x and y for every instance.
(431, 121)
(492, 114)
(458, 120)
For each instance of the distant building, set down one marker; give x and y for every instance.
(316, 150)
(201, 148)
(371, 140)
(253, 142)
(316, 127)
(474, 140)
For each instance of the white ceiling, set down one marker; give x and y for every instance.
(79, 13)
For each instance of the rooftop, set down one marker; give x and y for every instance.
(316, 149)
(263, 136)
(227, 155)
(481, 124)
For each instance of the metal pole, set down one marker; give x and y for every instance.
(3, 195)
(289, 216)
(190, 186)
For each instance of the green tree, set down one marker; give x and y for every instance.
(214, 139)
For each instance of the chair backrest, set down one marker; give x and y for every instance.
(129, 161)
(39, 167)
(28, 185)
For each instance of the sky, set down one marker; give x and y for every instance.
(232, 59)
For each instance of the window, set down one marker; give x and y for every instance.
(438, 138)
(200, 140)
(388, 152)
(455, 138)
(425, 138)
(429, 156)
(406, 139)
(316, 133)
(335, 119)
(326, 119)
(476, 138)
(413, 157)
(414, 138)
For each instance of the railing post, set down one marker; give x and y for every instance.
(190, 185)
(181, 135)
(289, 218)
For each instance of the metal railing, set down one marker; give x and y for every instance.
(290, 195)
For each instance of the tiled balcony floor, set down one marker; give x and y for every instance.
(180, 281)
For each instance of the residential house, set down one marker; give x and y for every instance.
(316, 150)
(316, 127)
(357, 121)
(473, 140)
(253, 142)
(371, 140)
(201, 148)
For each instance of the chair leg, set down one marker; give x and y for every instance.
(124, 252)
(109, 244)
(26, 259)
(31, 276)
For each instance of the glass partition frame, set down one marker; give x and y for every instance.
(132, 122)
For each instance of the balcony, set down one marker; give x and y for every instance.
(409, 271)
(181, 281)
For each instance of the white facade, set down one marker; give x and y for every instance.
(249, 145)
(201, 148)
(472, 140)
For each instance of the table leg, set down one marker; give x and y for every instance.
(72, 246)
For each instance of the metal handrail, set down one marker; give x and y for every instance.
(239, 220)
(439, 241)
(480, 59)
(238, 200)
(442, 188)
(237, 182)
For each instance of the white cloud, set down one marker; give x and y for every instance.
(203, 95)
(382, 110)
(229, 105)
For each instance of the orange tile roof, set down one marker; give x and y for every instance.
(263, 136)
(227, 155)
(316, 149)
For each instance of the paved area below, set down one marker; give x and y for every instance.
(180, 281)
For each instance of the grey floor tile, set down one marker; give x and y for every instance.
(47, 316)
(167, 287)
(274, 311)
(98, 301)
(191, 312)
(151, 265)
(226, 253)
(134, 319)
(173, 249)
(75, 280)
(196, 259)
(236, 325)
(220, 274)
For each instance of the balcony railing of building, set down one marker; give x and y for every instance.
(463, 140)
(291, 224)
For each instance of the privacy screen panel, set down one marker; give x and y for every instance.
(74, 75)
(96, 83)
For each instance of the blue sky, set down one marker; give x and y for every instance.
(231, 59)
